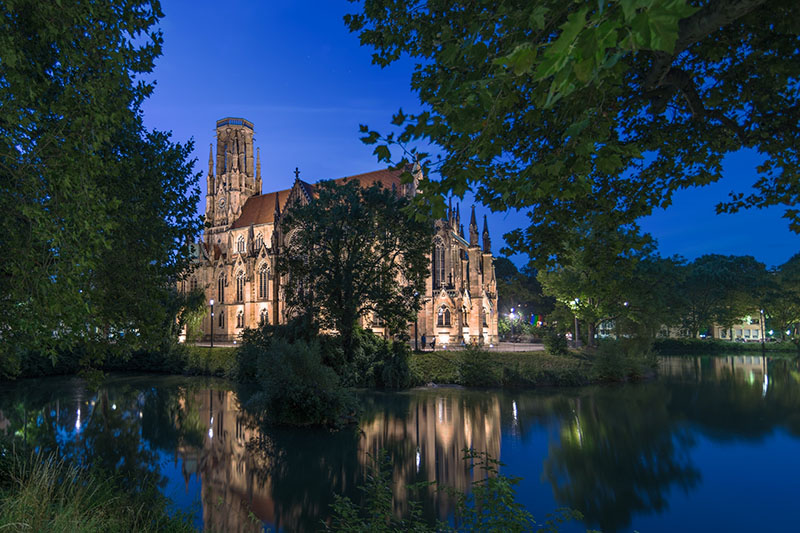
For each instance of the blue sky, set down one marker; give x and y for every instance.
(294, 70)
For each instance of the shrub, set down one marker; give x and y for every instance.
(554, 342)
(476, 368)
(297, 389)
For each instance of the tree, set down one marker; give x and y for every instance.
(593, 278)
(586, 109)
(519, 289)
(95, 212)
(783, 296)
(353, 251)
(721, 289)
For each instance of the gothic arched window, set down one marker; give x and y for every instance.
(221, 288)
(259, 241)
(263, 318)
(444, 317)
(221, 318)
(438, 264)
(240, 287)
(263, 282)
(240, 319)
(240, 245)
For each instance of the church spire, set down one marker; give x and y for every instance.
(473, 229)
(210, 159)
(487, 242)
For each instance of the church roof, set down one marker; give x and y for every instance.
(260, 209)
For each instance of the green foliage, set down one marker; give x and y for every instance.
(343, 254)
(510, 369)
(96, 209)
(575, 110)
(44, 493)
(623, 359)
(476, 368)
(554, 342)
(717, 346)
(489, 505)
(217, 361)
(297, 389)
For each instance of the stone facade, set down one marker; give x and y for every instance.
(235, 262)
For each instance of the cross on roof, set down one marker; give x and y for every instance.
(296, 173)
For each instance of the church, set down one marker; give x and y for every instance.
(235, 262)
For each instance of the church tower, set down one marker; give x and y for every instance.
(233, 177)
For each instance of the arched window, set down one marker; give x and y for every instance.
(240, 319)
(263, 282)
(263, 319)
(438, 265)
(240, 245)
(221, 318)
(259, 241)
(193, 284)
(464, 316)
(444, 317)
(221, 288)
(240, 287)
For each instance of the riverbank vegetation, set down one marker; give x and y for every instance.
(47, 493)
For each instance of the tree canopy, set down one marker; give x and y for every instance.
(95, 211)
(583, 109)
(352, 252)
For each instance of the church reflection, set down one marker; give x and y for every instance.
(250, 477)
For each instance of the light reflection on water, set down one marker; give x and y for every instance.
(626, 456)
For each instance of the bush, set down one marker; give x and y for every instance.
(554, 342)
(717, 346)
(476, 368)
(297, 389)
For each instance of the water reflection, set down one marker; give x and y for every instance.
(614, 453)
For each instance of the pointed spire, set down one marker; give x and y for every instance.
(473, 229)
(450, 212)
(458, 215)
(487, 242)
(210, 160)
(277, 206)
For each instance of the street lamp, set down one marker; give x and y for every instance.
(763, 329)
(513, 317)
(211, 301)
(575, 340)
(416, 320)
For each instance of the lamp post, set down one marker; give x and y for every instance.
(512, 316)
(416, 319)
(576, 343)
(763, 348)
(212, 322)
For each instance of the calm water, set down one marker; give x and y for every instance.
(714, 444)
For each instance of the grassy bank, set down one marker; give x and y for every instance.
(43, 493)
(718, 347)
(499, 369)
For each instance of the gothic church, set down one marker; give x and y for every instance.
(235, 262)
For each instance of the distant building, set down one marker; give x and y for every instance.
(235, 262)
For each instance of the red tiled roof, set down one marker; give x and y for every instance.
(260, 209)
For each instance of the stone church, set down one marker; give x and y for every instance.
(235, 262)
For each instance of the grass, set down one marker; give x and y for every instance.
(717, 346)
(43, 493)
(507, 369)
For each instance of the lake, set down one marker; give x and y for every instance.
(712, 444)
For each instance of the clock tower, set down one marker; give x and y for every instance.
(233, 177)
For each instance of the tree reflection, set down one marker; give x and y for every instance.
(619, 454)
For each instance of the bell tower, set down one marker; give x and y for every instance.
(234, 176)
